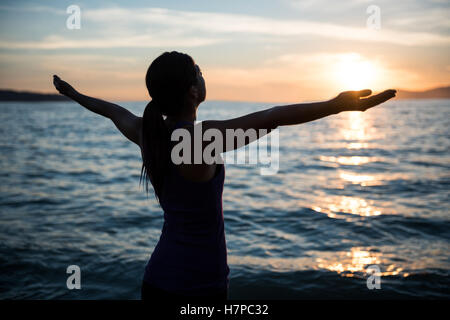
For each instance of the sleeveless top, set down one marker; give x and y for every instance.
(190, 257)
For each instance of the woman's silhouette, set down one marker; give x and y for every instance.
(190, 259)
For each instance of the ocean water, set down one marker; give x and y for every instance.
(353, 190)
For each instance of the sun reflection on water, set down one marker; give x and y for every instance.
(357, 131)
(363, 180)
(372, 179)
(350, 160)
(355, 262)
(349, 205)
(357, 145)
(357, 127)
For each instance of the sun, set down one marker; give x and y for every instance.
(353, 72)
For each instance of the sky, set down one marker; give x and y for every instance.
(254, 50)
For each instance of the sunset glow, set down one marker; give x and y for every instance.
(247, 53)
(354, 73)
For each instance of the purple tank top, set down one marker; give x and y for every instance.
(190, 257)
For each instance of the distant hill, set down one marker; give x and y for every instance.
(437, 93)
(11, 95)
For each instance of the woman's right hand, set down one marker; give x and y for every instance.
(62, 86)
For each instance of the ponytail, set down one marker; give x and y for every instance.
(155, 148)
(168, 80)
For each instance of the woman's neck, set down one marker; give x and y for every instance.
(190, 116)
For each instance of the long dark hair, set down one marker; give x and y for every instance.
(168, 80)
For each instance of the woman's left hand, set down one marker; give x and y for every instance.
(351, 100)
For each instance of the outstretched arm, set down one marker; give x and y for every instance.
(127, 123)
(345, 101)
(299, 113)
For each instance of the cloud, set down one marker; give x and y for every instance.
(330, 5)
(131, 41)
(224, 23)
(35, 9)
(412, 15)
(158, 27)
(434, 19)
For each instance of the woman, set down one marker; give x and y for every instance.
(190, 259)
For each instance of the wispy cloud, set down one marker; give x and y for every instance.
(157, 27)
(35, 9)
(131, 41)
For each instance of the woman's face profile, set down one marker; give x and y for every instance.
(200, 85)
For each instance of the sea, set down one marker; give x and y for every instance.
(357, 209)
